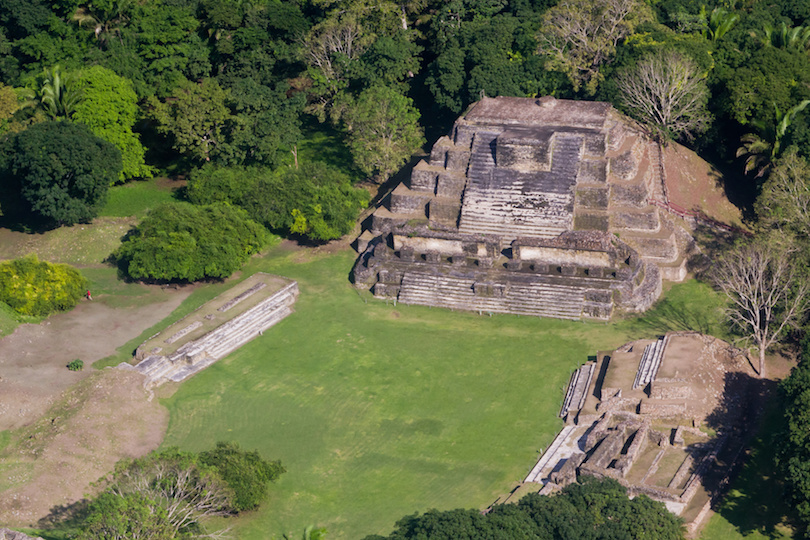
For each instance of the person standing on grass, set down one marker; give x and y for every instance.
(88, 295)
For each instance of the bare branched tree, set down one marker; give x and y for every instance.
(579, 36)
(176, 483)
(667, 92)
(761, 279)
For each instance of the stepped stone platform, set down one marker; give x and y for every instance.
(673, 438)
(216, 329)
(529, 206)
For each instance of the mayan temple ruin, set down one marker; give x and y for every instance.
(540, 207)
(667, 418)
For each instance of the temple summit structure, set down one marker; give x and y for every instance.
(530, 206)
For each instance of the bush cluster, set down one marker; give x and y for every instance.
(188, 243)
(33, 287)
(314, 200)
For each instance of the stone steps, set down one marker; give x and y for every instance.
(219, 342)
(220, 339)
(649, 363)
(536, 299)
(578, 389)
(236, 340)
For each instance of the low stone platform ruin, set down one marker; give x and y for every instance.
(531, 206)
(216, 329)
(665, 418)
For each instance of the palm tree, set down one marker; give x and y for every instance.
(785, 37)
(720, 21)
(763, 148)
(57, 95)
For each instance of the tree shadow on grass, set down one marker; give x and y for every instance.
(668, 316)
(755, 502)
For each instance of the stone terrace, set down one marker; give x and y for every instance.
(216, 329)
(514, 171)
(655, 438)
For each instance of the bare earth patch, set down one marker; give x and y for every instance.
(70, 428)
(33, 358)
(694, 184)
(52, 463)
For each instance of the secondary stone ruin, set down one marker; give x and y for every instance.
(529, 206)
(665, 418)
(216, 329)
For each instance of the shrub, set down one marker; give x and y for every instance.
(33, 287)
(246, 473)
(75, 365)
(188, 243)
(315, 200)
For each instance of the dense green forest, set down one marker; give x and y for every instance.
(231, 88)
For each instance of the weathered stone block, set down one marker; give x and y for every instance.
(407, 254)
(423, 178)
(407, 202)
(568, 270)
(457, 159)
(433, 257)
(450, 185)
(593, 198)
(445, 210)
(513, 265)
(628, 196)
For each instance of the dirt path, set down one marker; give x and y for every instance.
(32, 359)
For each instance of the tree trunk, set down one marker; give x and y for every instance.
(761, 362)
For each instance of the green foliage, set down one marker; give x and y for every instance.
(61, 171)
(266, 126)
(592, 509)
(33, 287)
(109, 108)
(383, 130)
(246, 473)
(189, 243)
(131, 515)
(315, 200)
(75, 365)
(194, 118)
(793, 454)
(494, 57)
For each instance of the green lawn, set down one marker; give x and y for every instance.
(380, 411)
(136, 198)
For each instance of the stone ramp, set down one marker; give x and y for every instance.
(578, 388)
(535, 299)
(650, 362)
(200, 353)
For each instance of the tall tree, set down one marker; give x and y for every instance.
(579, 36)
(59, 95)
(667, 92)
(384, 130)
(109, 107)
(62, 171)
(784, 202)
(195, 118)
(766, 291)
